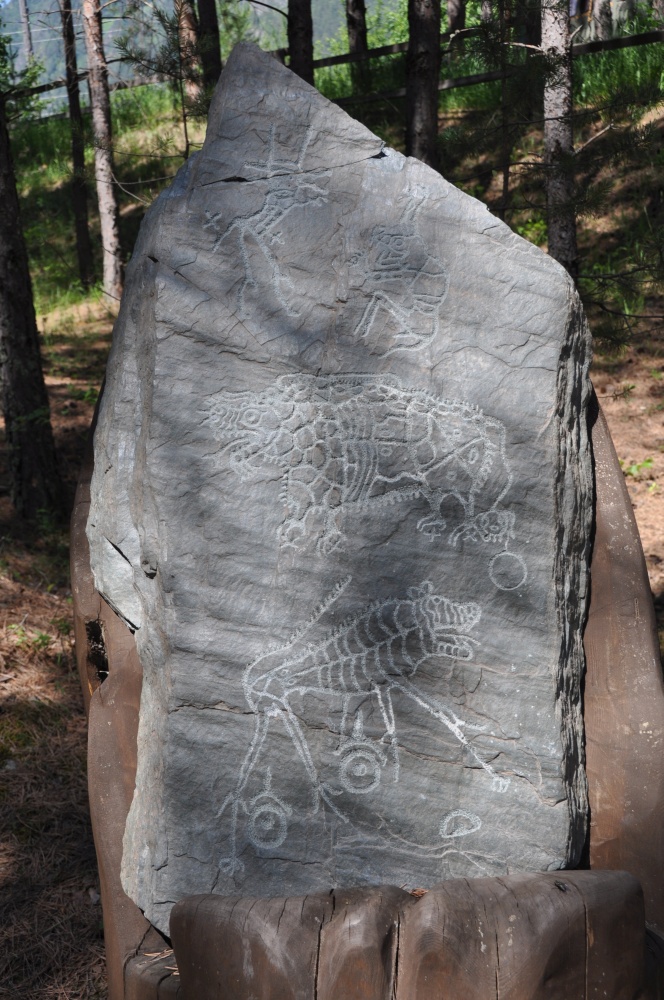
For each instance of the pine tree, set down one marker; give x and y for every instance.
(301, 39)
(79, 187)
(35, 481)
(422, 76)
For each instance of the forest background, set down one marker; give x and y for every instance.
(489, 140)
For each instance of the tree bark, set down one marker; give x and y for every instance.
(101, 121)
(210, 49)
(188, 39)
(301, 39)
(456, 15)
(34, 478)
(423, 71)
(558, 135)
(79, 194)
(27, 33)
(356, 22)
(603, 19)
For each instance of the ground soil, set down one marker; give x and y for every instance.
(51, 941)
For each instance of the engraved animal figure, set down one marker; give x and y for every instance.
(344, 443)
(259, 230)
(375, 652)
(405, 284)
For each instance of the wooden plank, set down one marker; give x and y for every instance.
(327, 946)
(449, 84)
(624, 42)
(571, 935)
(358, 947)
(383, 50)
(113, 726)
(624, 693)
(249, 947)
(554, 936)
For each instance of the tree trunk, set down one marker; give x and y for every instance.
(35, 481)
(27, 34)
(210, 50)
(101, 121)
(456, 15)
(356, 21)
(504, 37)
(79, 194)
(188, 39)
(423, 71)
(558, 135)
(301, 39)
(603, 19)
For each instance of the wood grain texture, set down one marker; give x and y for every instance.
(112, 727)
(624, 693)
(555, 936)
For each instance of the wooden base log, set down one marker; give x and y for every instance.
(624, 693)
(555, 936)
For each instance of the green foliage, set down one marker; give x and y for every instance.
(387, 23)
(164, 48)
(235, 25)
(13, 82)
(90, 395)
(636, 469)
(619, 78)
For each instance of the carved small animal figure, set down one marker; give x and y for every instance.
(345, 443)
(375, 652)
(258, 231)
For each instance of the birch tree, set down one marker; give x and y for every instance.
(101, 123)
(35, 482)
(558, 135)
(24, 14)
(423, 72)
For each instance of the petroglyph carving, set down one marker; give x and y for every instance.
(375, 653)
(345, 443)
(508, 571)
(259, 231)
(405, 284)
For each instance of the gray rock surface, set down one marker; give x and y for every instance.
(342, 492)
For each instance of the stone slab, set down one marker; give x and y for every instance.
(342, 494)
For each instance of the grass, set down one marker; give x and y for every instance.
(51, 933)
(51, 943)
(148, 152)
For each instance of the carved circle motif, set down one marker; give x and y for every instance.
(267, 826)
(360, 772)
(508, 571)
